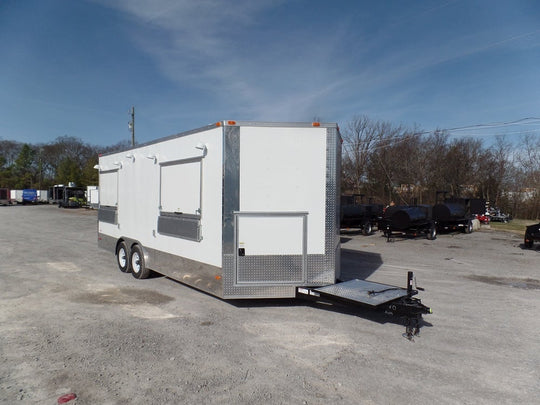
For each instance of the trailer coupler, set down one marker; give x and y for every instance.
(409, 309)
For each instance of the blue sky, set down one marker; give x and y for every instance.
(75, 68)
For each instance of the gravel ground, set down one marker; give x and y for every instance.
(70, 322)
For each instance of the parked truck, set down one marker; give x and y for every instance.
(237, 209)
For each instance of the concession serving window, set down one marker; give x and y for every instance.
(108, 196)
(180, 198)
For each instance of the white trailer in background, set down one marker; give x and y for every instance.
(92, 196)
(236, 209)
(16, 196)
(43, 196)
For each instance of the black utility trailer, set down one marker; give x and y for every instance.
(456, 213)
(532, 233)
(394, 301)
(410, 220)
(67, 196)
(355, 214)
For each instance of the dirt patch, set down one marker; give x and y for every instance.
(123, 296)
(523, 283)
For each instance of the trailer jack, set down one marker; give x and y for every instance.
(394, 301)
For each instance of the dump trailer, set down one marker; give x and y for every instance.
(5, 196)
(412, 220)
(239, 210)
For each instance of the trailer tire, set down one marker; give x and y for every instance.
(367, 229)
(468, 227)
(432, 233)
(136, 263)
(528, 244)
(122, 257)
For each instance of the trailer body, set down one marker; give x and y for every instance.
(457, 213)
(69, 196)
(408, 220)
(92, 196)
(29, 196)
(56, 193)
(16, 196)
(236, 209)
(5, 196)
(532, 233)
(354, 213)
(43, 196)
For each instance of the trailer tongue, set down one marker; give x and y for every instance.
(396, 301)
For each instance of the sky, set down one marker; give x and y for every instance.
(76, 67)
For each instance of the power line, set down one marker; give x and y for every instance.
(405, 136)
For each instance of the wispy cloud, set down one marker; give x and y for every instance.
(222, 47)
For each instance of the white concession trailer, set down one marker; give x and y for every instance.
(235, 209)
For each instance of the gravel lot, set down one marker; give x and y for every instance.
(70, 322)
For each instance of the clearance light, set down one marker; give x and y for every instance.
(231, 122)
(218, 124)
(316, 124)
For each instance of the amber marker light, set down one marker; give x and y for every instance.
(316, 124)
(231, 122)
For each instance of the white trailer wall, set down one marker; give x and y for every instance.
(283, 171)
(16, 195)
(184, 186)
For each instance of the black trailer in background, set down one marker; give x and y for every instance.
(5, 196)
(408, 220)
(67, 196)
(355, 214)
(457, 213)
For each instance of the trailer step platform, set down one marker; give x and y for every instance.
(363, 292)
(395, 301)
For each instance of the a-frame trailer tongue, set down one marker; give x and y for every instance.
(396, 301)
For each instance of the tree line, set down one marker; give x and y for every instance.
(380, 160)
(67, 159)
(393, 163)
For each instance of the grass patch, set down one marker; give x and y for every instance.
(514, 226)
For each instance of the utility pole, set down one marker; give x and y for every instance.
(131, 125)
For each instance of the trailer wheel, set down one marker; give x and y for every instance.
(432, 233)
(367, 229)
(122, 257)
(528, 243)
(136, 263)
